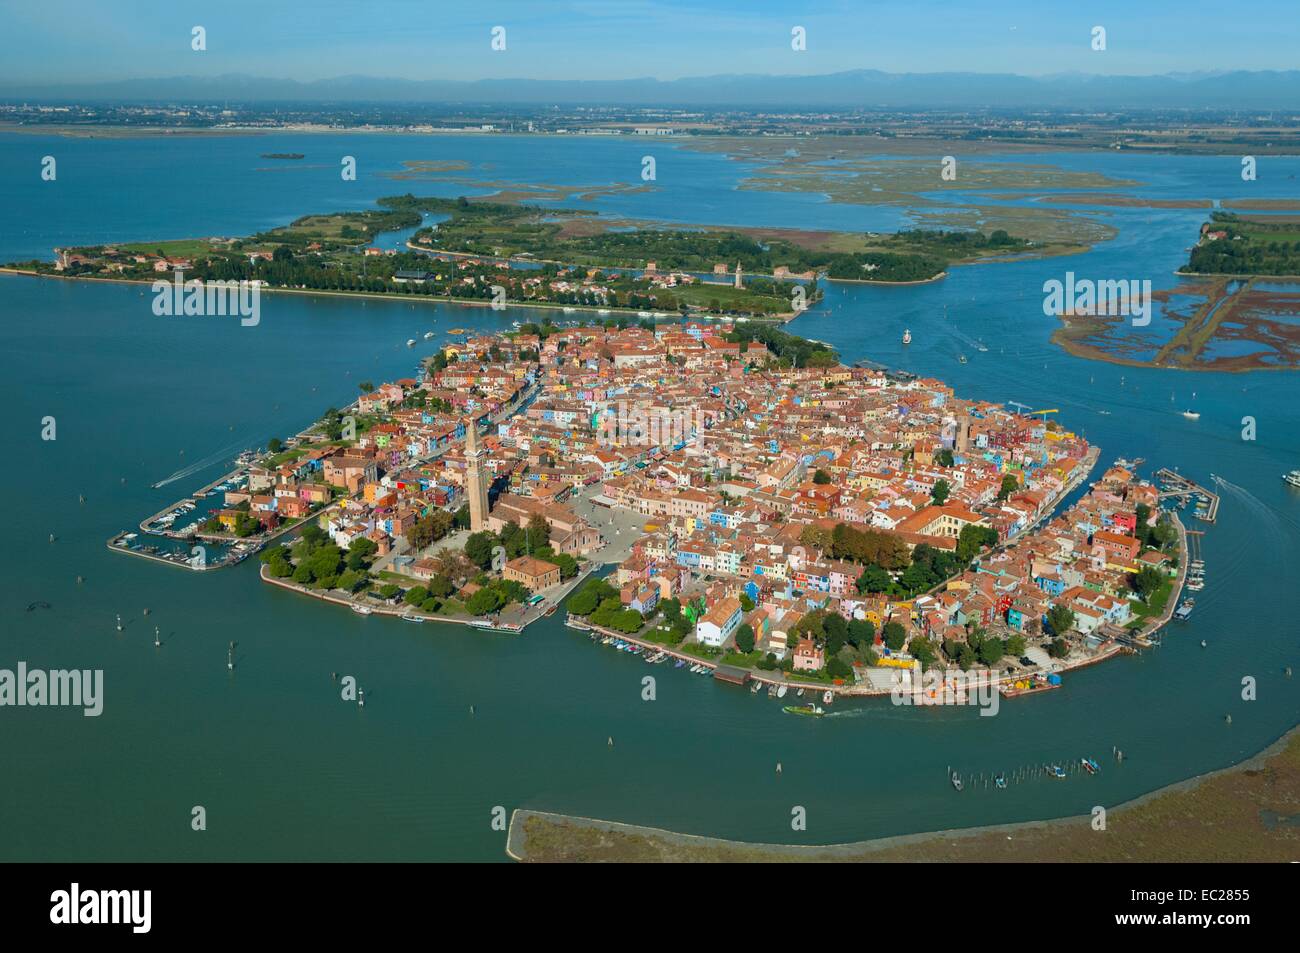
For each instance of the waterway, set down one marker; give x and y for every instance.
(286, 770)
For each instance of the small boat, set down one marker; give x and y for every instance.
(799, 694)
(570, 310)
(550, 610)
(780, 692)
(755, 688)
(1191, 415)
(956, 781)
(428, 335)
(1292, 478)
(1000, 781)
(410, 342)
(362, 610)
(907, 335)
(809, 709)
(827, 697)
(1055, 771)
(961, 359)
(1092, 767)
(407, 617)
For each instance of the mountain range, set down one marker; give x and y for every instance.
(867, 89)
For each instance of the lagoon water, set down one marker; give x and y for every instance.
(287, 770)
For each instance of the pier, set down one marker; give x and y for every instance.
(1176, 486)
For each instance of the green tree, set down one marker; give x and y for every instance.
(940, 492)
(873, 579)
(745, 638)
(895, 636)
(1060, 619)
(484, 601)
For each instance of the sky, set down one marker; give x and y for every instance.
(60, 41)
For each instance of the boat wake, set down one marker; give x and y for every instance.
(1271, 540)
(224, 454)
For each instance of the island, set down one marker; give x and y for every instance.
(497, 252)
(725, 496)
(1235, 309)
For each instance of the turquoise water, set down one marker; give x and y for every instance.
(287, 770)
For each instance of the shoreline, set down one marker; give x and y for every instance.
(779, 318)
(867, 850)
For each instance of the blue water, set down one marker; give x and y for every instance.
(287, 770)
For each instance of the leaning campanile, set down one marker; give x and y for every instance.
(475, 484)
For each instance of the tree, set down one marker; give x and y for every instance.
(944, 457)
(1009, 485)
(861, 632)
(1058, 648)
(440, 586)
(1147, 581)
(484, 601)
(940, 492)
(895, 636)
(821, 477)
(991, 651)
(921, 649)
(273, 445)
(745, 638)
(1060, 619)
(873, 579)
(539, 532)
(479, 548)
(1016, 645)
(361, 552)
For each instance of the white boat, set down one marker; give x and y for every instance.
(1292, 478)
(827, 697)
(362, 610)
(1191, 415)
(410, 342)
(644, 314)
(406, 617)
(570, 310)
(603, 311)
(907, 335)
(780, 692)
(428, 335)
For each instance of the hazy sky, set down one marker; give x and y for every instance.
(56, 41)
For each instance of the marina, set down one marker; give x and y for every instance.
(1175, 486)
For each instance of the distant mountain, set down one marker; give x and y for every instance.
(1240, 89)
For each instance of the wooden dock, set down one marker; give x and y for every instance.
(1176, 486)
